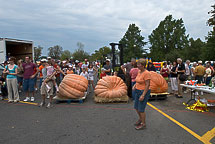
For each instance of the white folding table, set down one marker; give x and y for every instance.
(206, 89)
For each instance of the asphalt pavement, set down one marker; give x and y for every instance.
(168, 122)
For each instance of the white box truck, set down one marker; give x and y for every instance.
(16, 48)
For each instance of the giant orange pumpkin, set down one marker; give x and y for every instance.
(73, 86)
(157, 84)
(111, 87)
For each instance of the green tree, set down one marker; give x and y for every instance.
(79, 53)
(100, 54)
(133, 43)
(211, 20)
(168, 40)
(37, 52)
(66, 54)
(194, 51)
(209, 52)
(55, 52)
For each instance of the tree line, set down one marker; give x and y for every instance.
(166, 43)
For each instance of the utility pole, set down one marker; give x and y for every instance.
(113, 53)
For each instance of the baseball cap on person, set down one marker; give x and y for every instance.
(108, 60)
(48, 57)
(43, 60)
(200, 62)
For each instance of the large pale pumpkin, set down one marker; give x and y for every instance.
(73, 86)
(157, 84)
(111, 87)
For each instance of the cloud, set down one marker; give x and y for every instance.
(95, 23)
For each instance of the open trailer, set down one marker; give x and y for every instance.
(16, 48)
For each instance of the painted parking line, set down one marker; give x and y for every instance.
(209, 135)
(205, 138)
(31, 103)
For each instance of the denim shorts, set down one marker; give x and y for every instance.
(28, 85)
(141, 105)
(35, 80)
(19, 79)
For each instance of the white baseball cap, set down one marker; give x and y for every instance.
(200, 62)
(43, 60)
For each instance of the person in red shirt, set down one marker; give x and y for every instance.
(103, 74)
(29, 75)
(165, 72)
(57, 67)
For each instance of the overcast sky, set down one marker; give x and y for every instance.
(95, 23)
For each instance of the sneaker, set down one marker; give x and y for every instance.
(138, 123)
(16, 101)
(141, 126)
(32, 99)
(26, 99)
(48, 105)
(10, 101)
(177, 96)
(42, 104)
(48, 97)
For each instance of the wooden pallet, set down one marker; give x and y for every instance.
(67, 100)
(123, 99)
(158, 96)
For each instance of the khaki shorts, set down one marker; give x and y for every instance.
(44, 88)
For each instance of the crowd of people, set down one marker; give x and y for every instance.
(45, 76)
(49, 73)
(178, 72)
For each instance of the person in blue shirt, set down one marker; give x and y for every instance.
(11, 71)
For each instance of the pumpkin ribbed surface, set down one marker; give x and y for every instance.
(73, 86)
(157, 84)
(110, 87)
